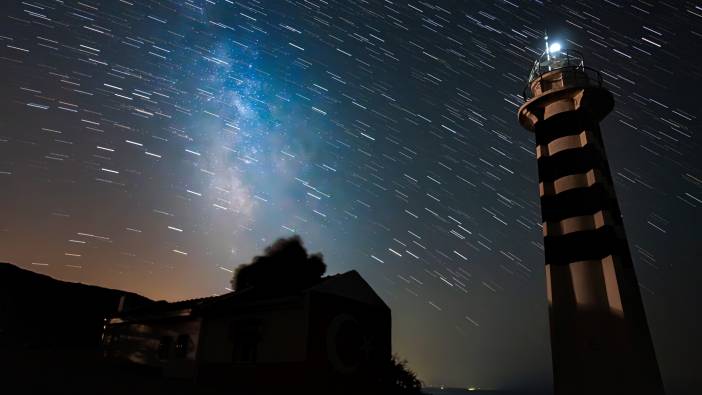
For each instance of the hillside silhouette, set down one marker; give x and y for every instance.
(37, 311)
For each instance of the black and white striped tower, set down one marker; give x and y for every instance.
(600, 339)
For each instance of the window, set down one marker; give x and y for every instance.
(246, 350)
(182, 346)
(164, 347)
(245, 336)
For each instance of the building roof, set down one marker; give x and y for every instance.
(348, 285)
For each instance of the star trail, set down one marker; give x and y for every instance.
(155, 145)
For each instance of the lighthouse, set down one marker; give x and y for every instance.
(600, 340)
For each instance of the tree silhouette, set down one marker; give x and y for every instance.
(398, 379)
(285, 264)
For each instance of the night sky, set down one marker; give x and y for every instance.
(153, 146)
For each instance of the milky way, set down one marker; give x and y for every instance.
(155, 145)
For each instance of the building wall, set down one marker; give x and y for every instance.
(351, 339)
(275, 335)
(293, 348)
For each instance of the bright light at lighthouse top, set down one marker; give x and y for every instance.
(553, 58)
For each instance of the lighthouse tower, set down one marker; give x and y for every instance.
(600, 340)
